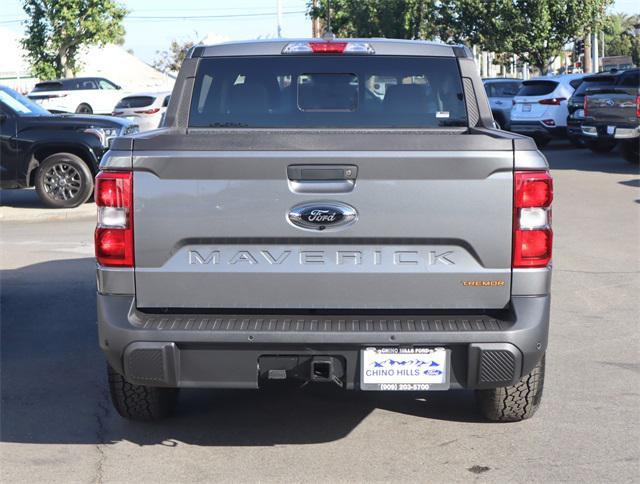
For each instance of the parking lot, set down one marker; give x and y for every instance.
(57, 422)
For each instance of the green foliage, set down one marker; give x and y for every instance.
(57, 29)
(619, 36)
(399, 19)
(536, 31)
(170, 60)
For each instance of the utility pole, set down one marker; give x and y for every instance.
(587, 54)
(594, 49)
(279, 16)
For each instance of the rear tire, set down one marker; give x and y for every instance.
(138, 402)
(601, 146)
(84, 108)
(63, 180)
(631, 151)
(514, 403)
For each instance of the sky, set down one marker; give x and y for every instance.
(152, 24)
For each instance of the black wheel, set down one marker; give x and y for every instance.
(601, 146)
(541, 141)
(84, 108)
(514, 403)
(138, 402)
(63, 180)
(631, 151)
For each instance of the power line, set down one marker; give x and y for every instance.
(204, 17)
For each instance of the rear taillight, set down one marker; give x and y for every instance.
(584, 107)
(638, 106)
(532, 234)
(114, 233)
(554, 101)
(117, 113)
(148, 111)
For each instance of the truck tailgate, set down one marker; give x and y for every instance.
(434, 230)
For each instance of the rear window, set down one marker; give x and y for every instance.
(47, 86)
(135, 102)
(537, 88)
(591, 82)
(502, 88)
(630, 79)
(328, 91)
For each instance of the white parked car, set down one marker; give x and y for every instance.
(84, 95)
(540, 107)
(145, 109)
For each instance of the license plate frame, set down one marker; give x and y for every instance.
(411, 362)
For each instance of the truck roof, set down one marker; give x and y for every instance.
(380, 46)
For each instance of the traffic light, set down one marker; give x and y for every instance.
(578, 47)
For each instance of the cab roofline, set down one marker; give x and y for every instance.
(381, 46)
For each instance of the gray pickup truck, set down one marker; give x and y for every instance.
(340, 212)
(612, 115)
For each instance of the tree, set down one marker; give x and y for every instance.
(400, 19)
(57, 29)
(170, 60)
(534, 30)
(619, 38)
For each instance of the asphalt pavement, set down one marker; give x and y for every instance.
(57, 424)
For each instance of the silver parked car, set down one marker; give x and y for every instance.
(145, 109)
(501, 91)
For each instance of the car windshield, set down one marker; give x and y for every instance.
(328, 92)
(20, 104)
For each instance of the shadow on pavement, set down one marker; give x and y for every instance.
(54, 382)
(20, 198)
(563, 156)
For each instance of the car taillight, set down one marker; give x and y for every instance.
(638, 106)
(148, 111)
(554, 101)
(329, 47)
(114, 232)
(584, 107)
(117, 113)
(532, 234)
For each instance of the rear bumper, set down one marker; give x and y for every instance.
(538, 129)
(235, 350)
(602, 132)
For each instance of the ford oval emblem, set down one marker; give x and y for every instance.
(322, 215)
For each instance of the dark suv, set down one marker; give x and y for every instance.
(58, 154)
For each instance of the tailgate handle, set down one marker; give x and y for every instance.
(322, 178)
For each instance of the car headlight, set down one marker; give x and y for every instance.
(105, 135)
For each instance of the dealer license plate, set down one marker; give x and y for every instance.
(409, 369)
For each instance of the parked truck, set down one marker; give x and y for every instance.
(293, 223)
(612, 114)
